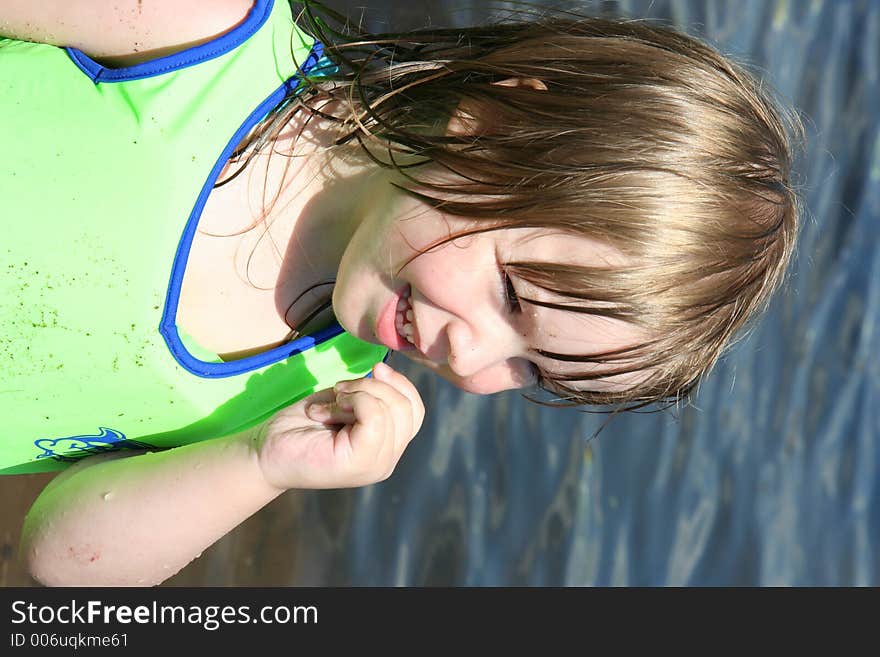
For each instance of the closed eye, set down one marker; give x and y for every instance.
(513, 302)
(515, 306)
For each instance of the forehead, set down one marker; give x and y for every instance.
(543, 245)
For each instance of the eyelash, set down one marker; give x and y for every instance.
(510, 293)
(514, 305)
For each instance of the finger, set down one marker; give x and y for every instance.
(399, 405)
(319, 397)
(329, 407)
(386, 373)
(409, 413)
(372, 435)
(330, 412)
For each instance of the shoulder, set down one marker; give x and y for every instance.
(123, 32)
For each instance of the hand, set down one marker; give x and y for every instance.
(350, 435)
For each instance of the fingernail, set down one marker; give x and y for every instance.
(316, 408)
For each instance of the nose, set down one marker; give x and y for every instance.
(472, 351)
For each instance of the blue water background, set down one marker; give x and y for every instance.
(769, 478)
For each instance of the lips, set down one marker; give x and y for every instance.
(386, 329)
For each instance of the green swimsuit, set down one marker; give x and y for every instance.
(103, 179)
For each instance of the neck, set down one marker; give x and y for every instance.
(320, 207)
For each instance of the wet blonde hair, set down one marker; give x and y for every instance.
(644, 139)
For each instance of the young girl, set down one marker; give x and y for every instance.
(219, 222)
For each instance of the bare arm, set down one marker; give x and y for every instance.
(121, 32)
(137, 520)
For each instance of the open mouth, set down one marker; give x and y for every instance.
(404, 316)
(395, 328)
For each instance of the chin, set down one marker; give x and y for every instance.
(360, 329)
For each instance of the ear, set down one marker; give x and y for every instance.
(465, 121)
(532, 83)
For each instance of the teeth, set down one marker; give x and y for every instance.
(403, 317)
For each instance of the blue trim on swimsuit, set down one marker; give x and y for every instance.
(168, 326)
(259, 14)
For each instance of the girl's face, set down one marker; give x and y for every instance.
(466, 323)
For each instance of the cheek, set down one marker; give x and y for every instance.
(451, 277)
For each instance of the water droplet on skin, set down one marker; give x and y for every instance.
(106, 496)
